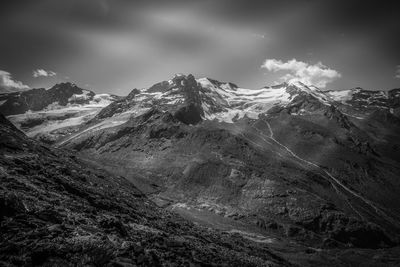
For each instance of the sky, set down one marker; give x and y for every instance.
(117, 45)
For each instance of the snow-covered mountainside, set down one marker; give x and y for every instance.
(215, 100)
(194, 100)
(58, 110)
(362, 102)
(227, 102)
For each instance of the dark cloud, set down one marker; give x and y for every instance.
(120, 44)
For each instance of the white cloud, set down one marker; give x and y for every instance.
(317, 74)
(43, 73)
(7, 84)
(397, 74)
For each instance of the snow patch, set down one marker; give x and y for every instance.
(341, 96)
(80, 97)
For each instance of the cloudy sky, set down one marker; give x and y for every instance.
(115, 46)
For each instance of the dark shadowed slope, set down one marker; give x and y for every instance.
(54, 210)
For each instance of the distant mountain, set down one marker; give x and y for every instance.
(49, 114)
(38, 99)
(362, 102)
(228, 102)
(194, 99)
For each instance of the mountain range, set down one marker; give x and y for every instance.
(311, 176)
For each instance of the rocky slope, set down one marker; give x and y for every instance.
(56, 210)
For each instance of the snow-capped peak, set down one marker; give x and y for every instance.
(311, 90)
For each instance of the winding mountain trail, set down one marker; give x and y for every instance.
(302, 164)
(366, 201)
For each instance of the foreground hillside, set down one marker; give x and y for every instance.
(55, 210)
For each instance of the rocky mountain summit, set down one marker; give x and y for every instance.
(180, 96)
